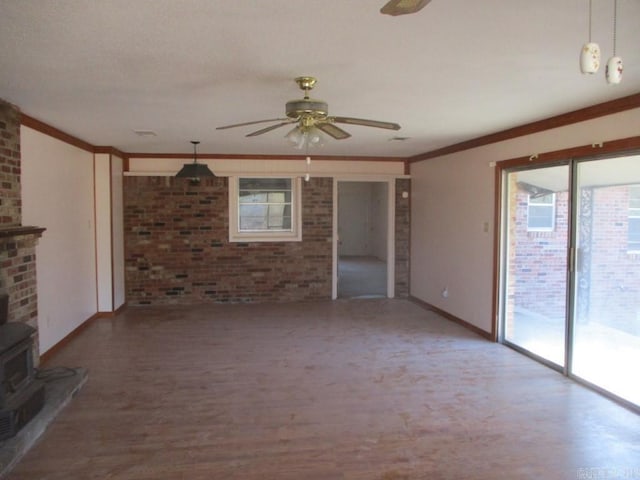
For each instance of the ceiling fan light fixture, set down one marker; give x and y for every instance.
(194, 171)
(305, 137)
(295, 137)
(403, 7)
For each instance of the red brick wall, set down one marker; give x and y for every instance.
(609, 275)
(615, 273)
(539, 260)
(177, 249)
(10, 200)
(17, 250)
(402, 237)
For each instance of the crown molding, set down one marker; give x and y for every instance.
(588, 113)
(576, 116)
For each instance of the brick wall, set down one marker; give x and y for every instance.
(177, 249)
(403, 235)
(17, 247)
(539, 260)
(10, 200)
(608, 279)
(18, 279)
(614, 282)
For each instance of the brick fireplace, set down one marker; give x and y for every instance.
(17, 242)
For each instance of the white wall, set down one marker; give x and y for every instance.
(102, 181)
(379, 220)
(452, 198)
(117, 225)
(362, 220)
(58, 194)
(225, 168)
(109, 231)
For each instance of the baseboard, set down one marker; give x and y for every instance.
(114, 313)
(46, 356)
(453, 318)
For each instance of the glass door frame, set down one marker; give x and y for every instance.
(502, 250)
(572, 157)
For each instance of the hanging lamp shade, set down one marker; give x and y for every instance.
(194, 170)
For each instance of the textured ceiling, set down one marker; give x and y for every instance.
(456, 70)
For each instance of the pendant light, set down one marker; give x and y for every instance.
(614, 67)
(194, 170)
(590, 54)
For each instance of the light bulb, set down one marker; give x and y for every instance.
(295, 136)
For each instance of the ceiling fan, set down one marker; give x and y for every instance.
(311, 115)
(403, 7)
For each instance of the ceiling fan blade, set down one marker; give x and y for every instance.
(333, 130)
(268, 129)
(403, 7)
(366, 123)
(251, 123)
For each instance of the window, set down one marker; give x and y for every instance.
(541, 215)
(264, 209)
(634, 219)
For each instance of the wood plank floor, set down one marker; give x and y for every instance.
(352, 389)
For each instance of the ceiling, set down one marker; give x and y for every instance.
(456, 70)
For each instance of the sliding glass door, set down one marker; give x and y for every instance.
(535, 238)
(570, 269)
(606, 327)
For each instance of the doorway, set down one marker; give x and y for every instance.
(362, 239)
(570, 269)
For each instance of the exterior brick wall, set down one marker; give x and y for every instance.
(402, 237)
(608, 279)
(539, 263)
(10, 200)
(177, 248)
(614, 282)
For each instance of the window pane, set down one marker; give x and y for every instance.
(253, 217)
(279, 197)
(265, 184)
(540, 216)
(253, 197)
(535, 267)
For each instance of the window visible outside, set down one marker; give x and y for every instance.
(264, 204)
(264, 209)
(634, 219)
(541, 213)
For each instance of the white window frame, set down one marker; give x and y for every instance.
(294, 235)
(551, 205)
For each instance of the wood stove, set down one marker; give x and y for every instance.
(21, 394)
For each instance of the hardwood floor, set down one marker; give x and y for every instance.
(358, 389)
